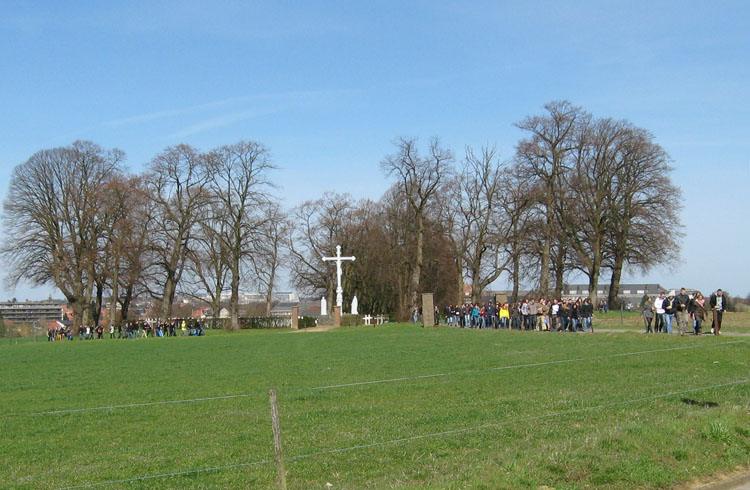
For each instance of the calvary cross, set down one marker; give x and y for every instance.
(338, 259)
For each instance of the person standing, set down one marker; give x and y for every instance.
(564, 314)
(681, 303)
(587, 313)
(669, 310)
(531, 311)
(698, 311)
(648, 314)
(575, 315)
(659, 310)
(542, 310)
(505, 316)
(719, 305)
(553, 311)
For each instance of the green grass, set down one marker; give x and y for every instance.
(510, 411)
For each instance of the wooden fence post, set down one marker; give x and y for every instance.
(278, 448)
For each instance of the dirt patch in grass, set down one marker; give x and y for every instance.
(734, 480)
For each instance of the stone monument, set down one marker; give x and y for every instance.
(428, 310)
(295, 317)
(336, 316)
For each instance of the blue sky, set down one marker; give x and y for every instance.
(328, 86)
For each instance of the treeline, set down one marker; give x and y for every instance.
(581, 194)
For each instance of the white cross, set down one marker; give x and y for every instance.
(338, 259)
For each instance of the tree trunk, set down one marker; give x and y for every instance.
(168, 297)
(459, 284)
(418, 259)
(476, 291)
(593, 283)
(614, 282)
(125, 303)
(86, 303)
(516, 278)
(234, 302)
(331, 298)
(216, 308)
(559, 274)
(594, 272)
(97, 313)
(269, 290)
(115, 294)
(544, 267)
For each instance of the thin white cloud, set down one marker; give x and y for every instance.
(218, 122)
(292, 96)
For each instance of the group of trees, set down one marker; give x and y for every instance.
(75, 219)
(580, 195)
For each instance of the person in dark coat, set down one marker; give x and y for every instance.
(719, 305)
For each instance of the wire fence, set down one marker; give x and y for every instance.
(415, 437)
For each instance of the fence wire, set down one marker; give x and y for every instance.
(371, 382)
(411, 438)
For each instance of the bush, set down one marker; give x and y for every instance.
(351, 320)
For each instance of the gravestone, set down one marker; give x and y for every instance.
(428, 310)
(355, 304)
(323, 306)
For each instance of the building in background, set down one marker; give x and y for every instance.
(41, 313)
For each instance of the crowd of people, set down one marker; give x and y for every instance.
(530, 314)
(682, 309)
(131, 330)
(660, 314)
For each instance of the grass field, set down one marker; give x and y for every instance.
(363, 407)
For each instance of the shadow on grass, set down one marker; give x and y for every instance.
(689, 401)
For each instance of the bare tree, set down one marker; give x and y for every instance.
(128, 209)
(240, 185)
(419, 179)
(450, 217)
(644, 209)
(482, 228)
(315, 228)
(518, 221)
(545, 156)
(53, 220)
(207, 268)
(267, 250)
(583, 205)
(178, 187)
